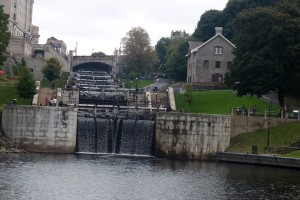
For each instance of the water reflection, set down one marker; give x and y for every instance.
(42, 176)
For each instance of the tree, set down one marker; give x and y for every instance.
(4, 34)
(18, 67)
(176, 64)
(161, 49)
(26, 86)
(268, 51)
(98, 54)
(52, 70)
(139, 56)
(207, 23)
(188, 95)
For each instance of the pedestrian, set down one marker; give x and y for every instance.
(54, 101)
(46, 101)
(51, 102)
(254, 110)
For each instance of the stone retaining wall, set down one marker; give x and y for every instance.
(191, 136)
(41, 128)
(259, 159)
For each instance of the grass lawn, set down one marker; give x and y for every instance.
(59, 83)
(221, 102)
(140, 83)
(8, 93)
(282, 135)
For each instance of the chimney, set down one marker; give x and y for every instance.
(219, 30)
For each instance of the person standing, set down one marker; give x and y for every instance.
(254, 110)
(54, 101)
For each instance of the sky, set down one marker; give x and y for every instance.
(99, 25)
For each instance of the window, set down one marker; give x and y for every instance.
(206, 64)
(219, 50)
(218, 64)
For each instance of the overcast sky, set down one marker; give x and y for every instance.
(99, 25)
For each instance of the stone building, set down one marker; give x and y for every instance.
(20, 26)
(24, 42)
(209, 61)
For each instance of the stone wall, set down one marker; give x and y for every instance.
(259, 159)
(191, 136)
(41, 128)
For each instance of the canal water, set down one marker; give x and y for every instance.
(43, 176)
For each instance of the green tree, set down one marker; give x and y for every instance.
(206, 26)
(98, 54)
(176, 61)
(4, 34)
(161, 49)
(26, 86)
(139, 56)
(188, 95)
(268, 51)
(52, 70)
(18, 67)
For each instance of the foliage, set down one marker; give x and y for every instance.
(61, 82)
(221, 102)
(213, 18)
(139, 56)
(10, 91)
(206, 26)
(52, 70)
(26, 87)
(172, 51)
(188, 95)
(98, 54)
(268, 51)
(282, 135)
(161, 49)
(4, 34)
(18, 67)
(176, 61)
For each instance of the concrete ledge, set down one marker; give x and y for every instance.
(259, 159)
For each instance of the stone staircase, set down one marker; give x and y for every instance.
(293, 147)
(46, 92)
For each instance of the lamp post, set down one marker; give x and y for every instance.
(269, 117)
(136, 84)
(156, 100)
(167, 103)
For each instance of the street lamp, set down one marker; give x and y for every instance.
(156, 100)
(136, 84)
(269, 118)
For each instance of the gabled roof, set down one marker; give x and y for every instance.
(194, 44)
(218, 34)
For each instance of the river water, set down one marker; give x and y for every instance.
(43, 176)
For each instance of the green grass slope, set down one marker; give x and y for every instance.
(221, 102)
(282, 135)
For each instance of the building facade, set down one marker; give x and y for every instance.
(20, 26)
(209, 61)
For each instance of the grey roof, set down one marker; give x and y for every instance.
(194, 44)
(217, 35)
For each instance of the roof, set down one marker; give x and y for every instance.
(194, 44)
(203, 44)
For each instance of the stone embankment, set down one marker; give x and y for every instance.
(269, 160)
(6, 146)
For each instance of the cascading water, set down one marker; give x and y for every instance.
(124, 136)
